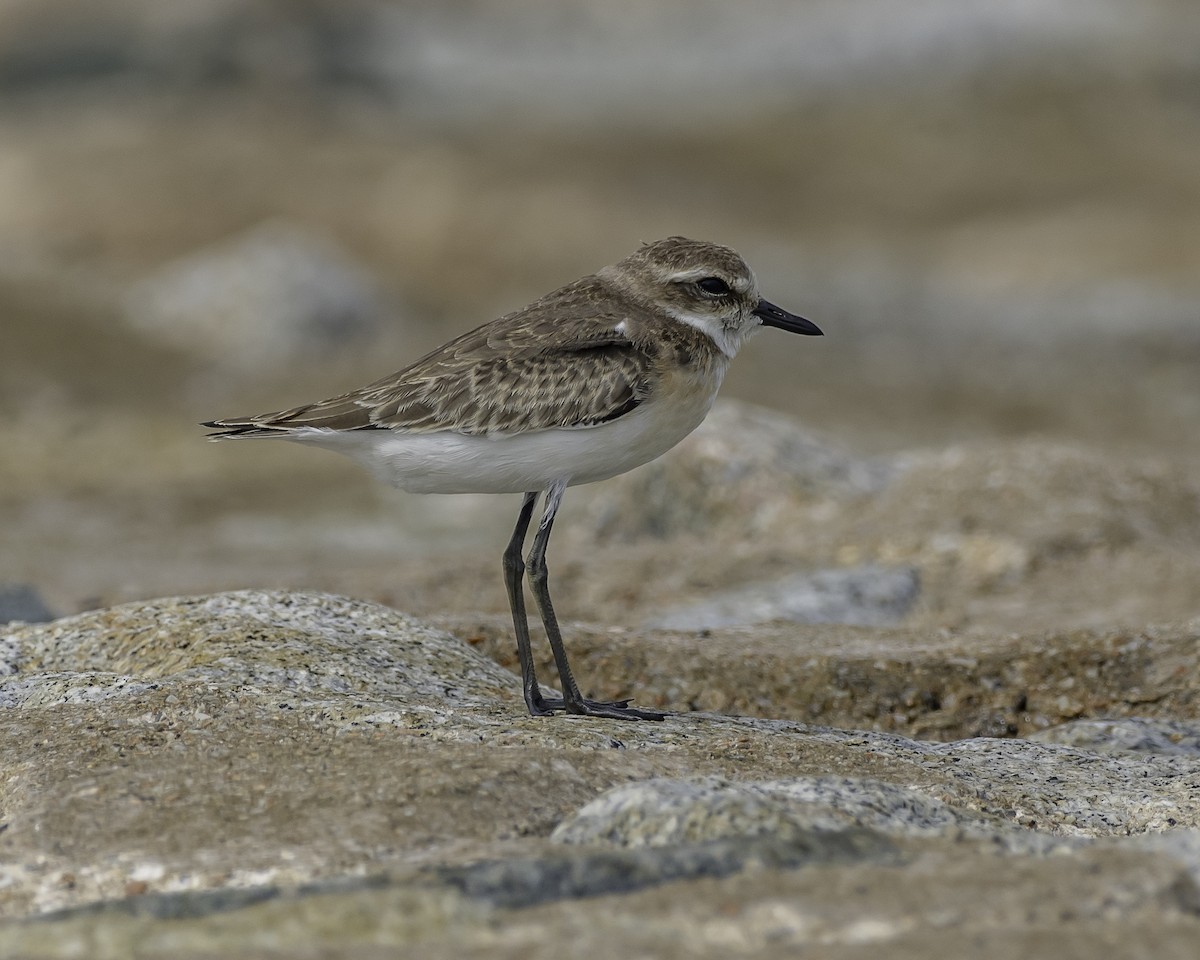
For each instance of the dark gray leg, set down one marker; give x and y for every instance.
(573, 701)
(514, 572)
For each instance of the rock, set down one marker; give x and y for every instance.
(1061, 793)
(656, 813)
(524, 883)
(1002, 512)
(743, 466)
(327, 773)
(19, 601)
(1127, 735)
(1021, 535)
(954, 902)
(316, 650)
(272, 295)
(865, 595)
(916, 681)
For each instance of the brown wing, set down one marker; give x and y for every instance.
(561, 362)
(574, 387)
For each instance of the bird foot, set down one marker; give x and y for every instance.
(612, 709)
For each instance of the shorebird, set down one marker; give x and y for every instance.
(589, 381)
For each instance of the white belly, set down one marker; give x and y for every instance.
(456, 463)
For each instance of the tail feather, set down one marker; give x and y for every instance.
(340, 413)
(241, 427)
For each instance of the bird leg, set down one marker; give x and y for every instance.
(514, 572)
(572, 701)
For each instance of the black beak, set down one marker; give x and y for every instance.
(773, 316)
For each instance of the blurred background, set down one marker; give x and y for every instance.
(211, 209)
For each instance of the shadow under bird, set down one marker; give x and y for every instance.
(589, 381)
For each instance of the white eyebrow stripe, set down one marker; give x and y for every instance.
(696, 273)
(741, 284)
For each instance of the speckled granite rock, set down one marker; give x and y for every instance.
(668, 812)
(918, 682)
(303, 766)
(353, 662)
(997, 785)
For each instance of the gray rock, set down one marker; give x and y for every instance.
(745, 466)
(655, 813)
(169, 906)
(321, 770)
(1181, 846)
(1127, 735)
(271, 295)
(524, 883)
(864, 596)
(312, 650)
(20, 601)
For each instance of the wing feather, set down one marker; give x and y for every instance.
(563, 361)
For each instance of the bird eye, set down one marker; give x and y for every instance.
(714, 285)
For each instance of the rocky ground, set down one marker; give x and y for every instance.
(281, 773)
(920, 598)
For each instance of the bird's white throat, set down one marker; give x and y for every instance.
(729, 340)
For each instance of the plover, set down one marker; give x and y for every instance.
(591, 380)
